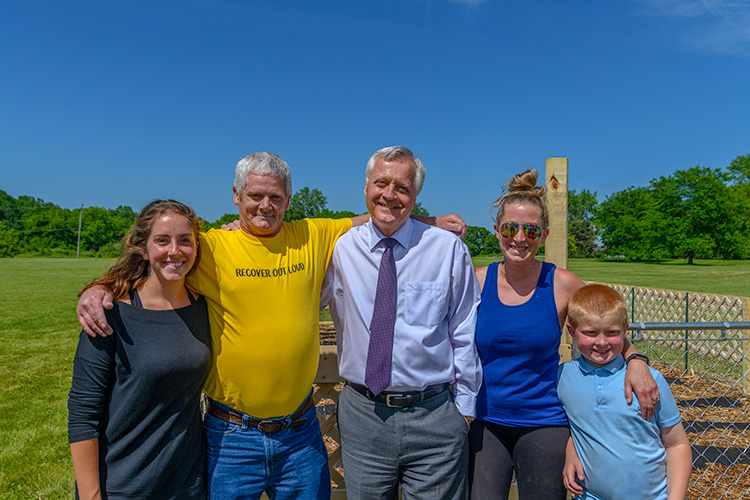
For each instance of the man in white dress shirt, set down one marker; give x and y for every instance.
(404, 413)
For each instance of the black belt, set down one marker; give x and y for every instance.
(402, 399)
(268, 426)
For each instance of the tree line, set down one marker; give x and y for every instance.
(696, 213)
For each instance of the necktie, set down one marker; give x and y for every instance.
(378, 370)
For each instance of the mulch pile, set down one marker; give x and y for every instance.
(716, 419)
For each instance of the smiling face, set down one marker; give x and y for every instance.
(390, 193)
(599, 338)
(520, 248)
(262, 204)
(171, 247)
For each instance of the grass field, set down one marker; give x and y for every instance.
(38, 336)
(39, 332)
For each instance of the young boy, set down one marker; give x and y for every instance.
(621, 455)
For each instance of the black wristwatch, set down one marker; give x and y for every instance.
(638, 356)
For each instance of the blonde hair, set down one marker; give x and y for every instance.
(131, 269)
(598, 300)
(522, 188)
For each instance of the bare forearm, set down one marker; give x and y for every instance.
(638, 378)
(679, 460)
(360, 219)
(679, 467)
(85, 455)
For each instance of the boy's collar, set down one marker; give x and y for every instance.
(611, 367)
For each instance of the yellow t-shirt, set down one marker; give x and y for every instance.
(263, 298)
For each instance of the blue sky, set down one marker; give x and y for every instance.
(107, 103)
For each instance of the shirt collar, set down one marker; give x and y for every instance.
(402, 235)
(611, 367)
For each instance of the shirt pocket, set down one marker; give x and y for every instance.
(425, 303)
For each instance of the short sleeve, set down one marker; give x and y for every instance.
(667, 413)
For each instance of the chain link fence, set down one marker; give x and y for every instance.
(708, 369)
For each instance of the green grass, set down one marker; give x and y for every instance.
(39, 332)
(706, 276)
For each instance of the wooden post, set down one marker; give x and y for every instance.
(556, 180)
(556, 246)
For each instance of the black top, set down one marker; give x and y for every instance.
(138, 392)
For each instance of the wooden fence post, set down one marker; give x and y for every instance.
(556, 180)
(556, 246)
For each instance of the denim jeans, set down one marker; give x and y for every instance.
(242, 462)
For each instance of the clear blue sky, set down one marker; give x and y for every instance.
(111, 103)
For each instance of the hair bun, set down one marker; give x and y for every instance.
(525, 182)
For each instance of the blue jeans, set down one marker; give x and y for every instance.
(242, 462)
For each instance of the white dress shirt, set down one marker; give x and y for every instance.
(438, 296)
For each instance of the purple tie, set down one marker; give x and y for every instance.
(378, 371)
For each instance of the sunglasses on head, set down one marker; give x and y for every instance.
(510, 229)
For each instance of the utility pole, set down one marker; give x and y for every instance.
(78, 247)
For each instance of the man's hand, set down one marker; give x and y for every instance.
(572, 470)
(638, 378)
(90, 311)
(231, 226)
(453, 223)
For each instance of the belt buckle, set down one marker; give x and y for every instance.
(390, 404)
(271, 426)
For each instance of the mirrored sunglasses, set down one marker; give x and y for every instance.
(510, 229)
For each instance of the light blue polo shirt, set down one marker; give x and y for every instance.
(622, 454)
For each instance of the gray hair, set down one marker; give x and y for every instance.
(392, 153)
(262, 163)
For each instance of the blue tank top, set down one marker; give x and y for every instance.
(519, 348)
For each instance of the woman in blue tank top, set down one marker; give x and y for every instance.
(520, 423)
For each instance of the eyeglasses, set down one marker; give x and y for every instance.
(531, 230)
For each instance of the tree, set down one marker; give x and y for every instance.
(339, 214)
(305, 203)
(697, 215)
(490, 244)
(581, 208)
(691, 214)
(420, 210)
(224, 219)
(474, 239)
(8, 241)
(739, 169)
(626, 219)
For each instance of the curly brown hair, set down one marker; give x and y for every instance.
(131, 269)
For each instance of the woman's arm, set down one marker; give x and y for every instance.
(93, 376)
(679, 460)
(638, 378)
(85, 456)
(481, 273)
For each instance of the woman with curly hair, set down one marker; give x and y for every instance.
(134, 422)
